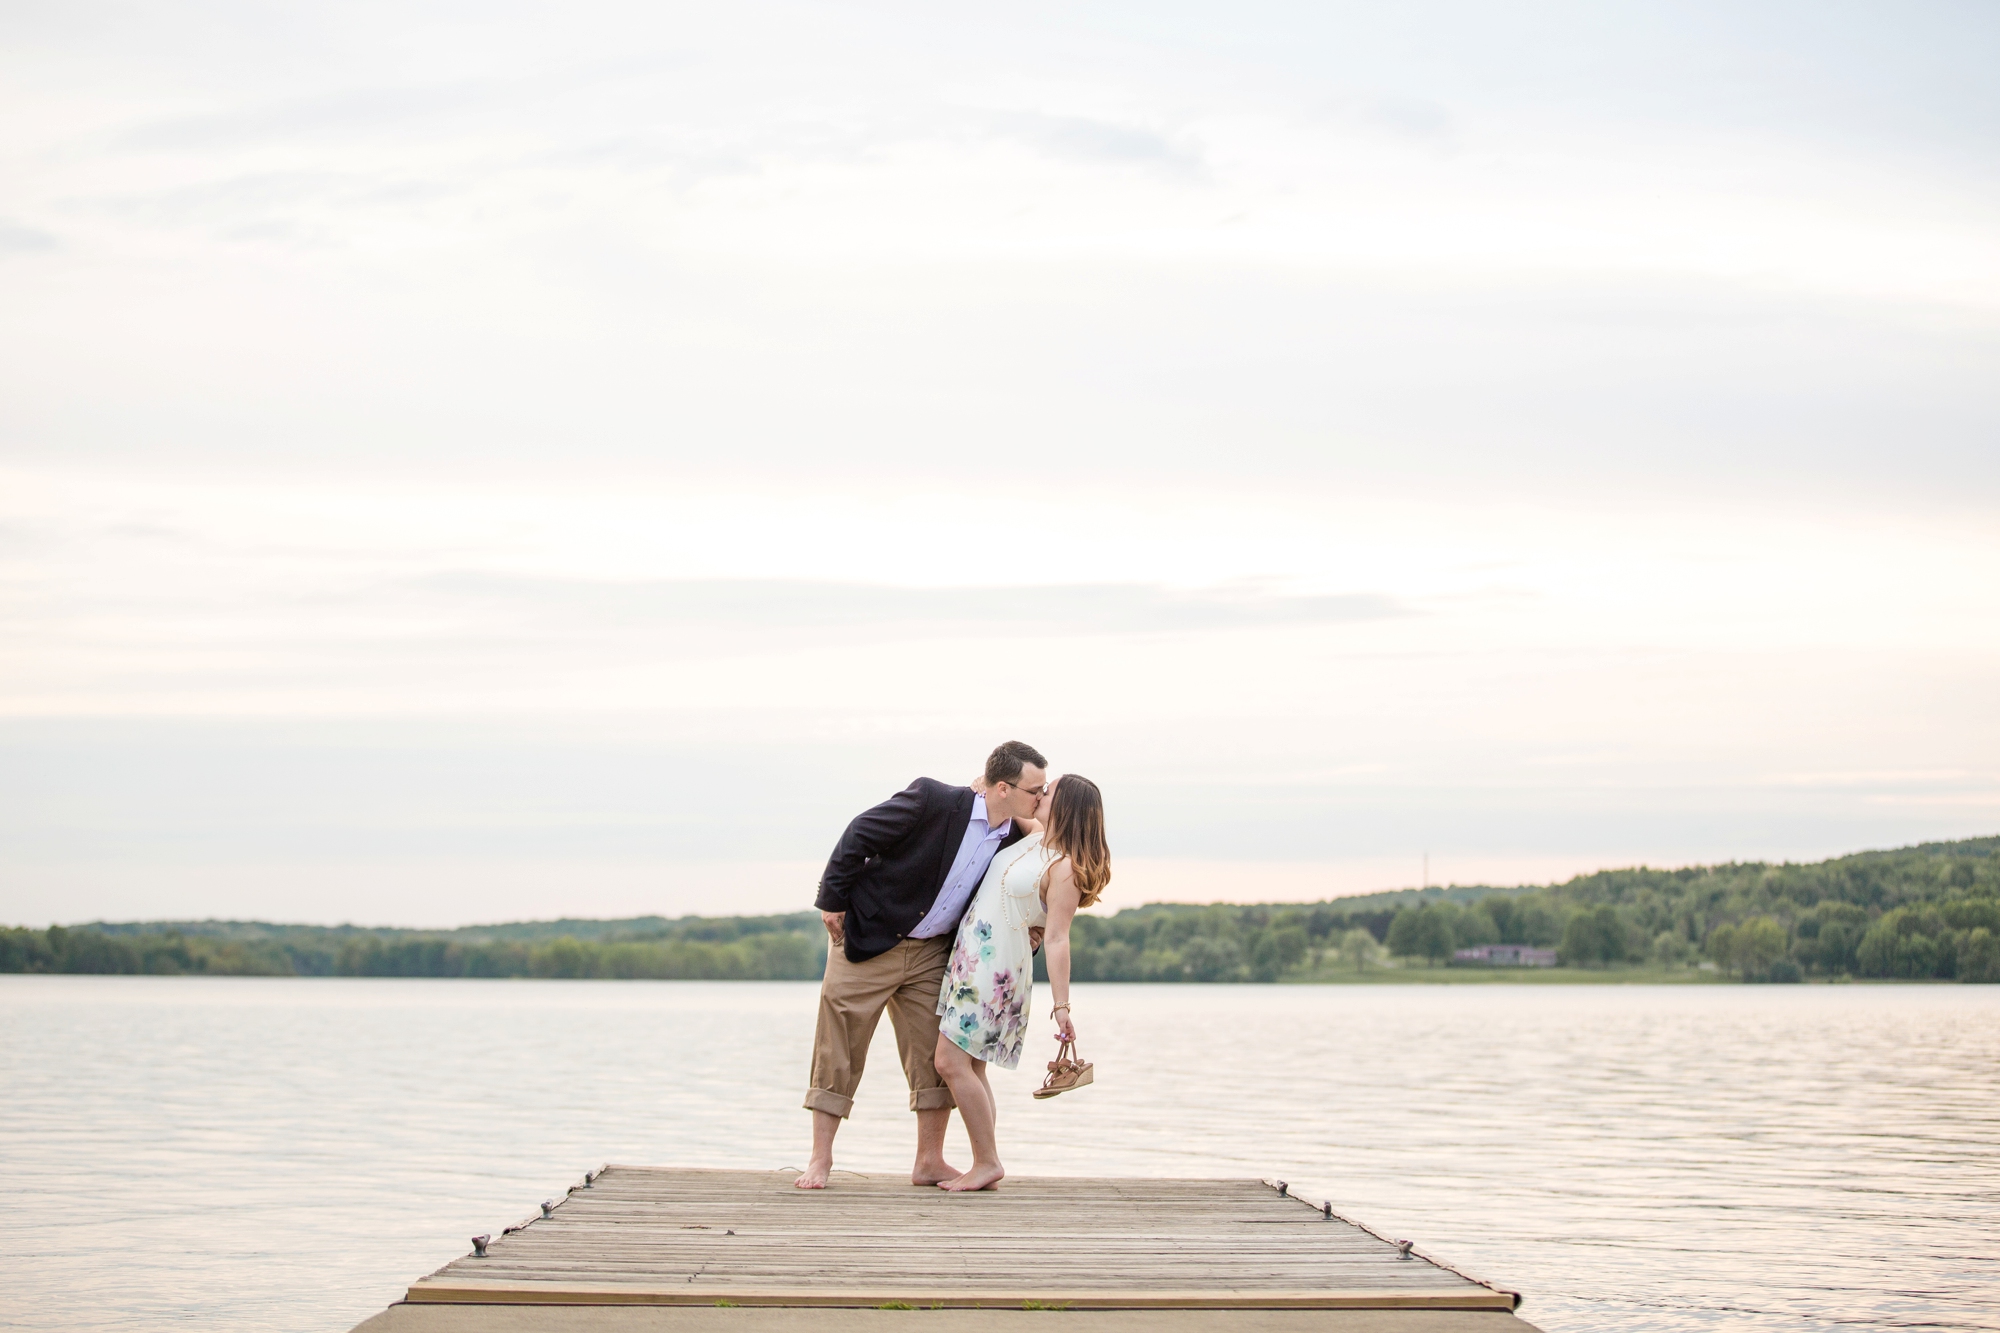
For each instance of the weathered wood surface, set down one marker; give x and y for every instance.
(655, 1236)
(709, 1319)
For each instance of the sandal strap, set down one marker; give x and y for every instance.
(1067, 1062)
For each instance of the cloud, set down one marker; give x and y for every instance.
(1100, 141)
(230, 200)
(778, 137)
(1411, 119)
(16, 239)
(801, 604)
(362, 112)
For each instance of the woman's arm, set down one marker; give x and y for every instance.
(1062, 900)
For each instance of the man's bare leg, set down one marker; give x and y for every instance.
(825, 1125)
(931, 1168)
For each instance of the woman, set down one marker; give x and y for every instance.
(1041, 880)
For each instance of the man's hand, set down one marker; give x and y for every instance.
(1034, 939)
(836, 926)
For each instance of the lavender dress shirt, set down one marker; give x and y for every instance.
(967, 869)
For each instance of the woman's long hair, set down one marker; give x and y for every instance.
(1076, 830)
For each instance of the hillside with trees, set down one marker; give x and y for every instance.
(1930, 912)
(740, 948)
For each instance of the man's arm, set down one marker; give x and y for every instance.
(872, 832)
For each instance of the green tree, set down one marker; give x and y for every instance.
(564, 957)
(1536, 922)
(1422, 932)
(1475, 925)
(1671, 949)
(1358, 949)
(1205, 959)
(1278, 951)
(1979, 955)
(1825, 938)
(1972, 913)
(1755, 945)
(1910, 942)
(1593, 939)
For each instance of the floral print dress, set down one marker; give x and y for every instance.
(983, 1007)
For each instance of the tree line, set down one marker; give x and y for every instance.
(1928, 912)
(1921, 913)
(778, 948)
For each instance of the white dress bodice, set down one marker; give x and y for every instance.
(1019, 887)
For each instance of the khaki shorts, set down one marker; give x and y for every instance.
(906, 981)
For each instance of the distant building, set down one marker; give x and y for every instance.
(1506, 955)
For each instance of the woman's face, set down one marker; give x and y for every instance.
(1048, 799)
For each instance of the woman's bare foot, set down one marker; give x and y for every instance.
(815, 1175)
(978, 1178)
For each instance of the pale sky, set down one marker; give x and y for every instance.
(462, 463)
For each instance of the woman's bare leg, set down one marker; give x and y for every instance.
(967, 1080)
(980, 1067)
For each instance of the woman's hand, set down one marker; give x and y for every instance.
(1065, 1028)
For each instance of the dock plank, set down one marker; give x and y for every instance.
(654, 1236)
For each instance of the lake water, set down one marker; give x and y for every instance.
(288, 1154)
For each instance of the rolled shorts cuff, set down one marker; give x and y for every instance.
(820, 1099)
(932, 1099)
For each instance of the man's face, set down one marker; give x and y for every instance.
(1017, 799)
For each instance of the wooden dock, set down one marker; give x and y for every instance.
(715, 1248)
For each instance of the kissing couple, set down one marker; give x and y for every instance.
(935, 902)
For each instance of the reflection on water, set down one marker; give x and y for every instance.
(288, 1154)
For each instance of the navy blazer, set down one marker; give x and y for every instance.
(888, 866)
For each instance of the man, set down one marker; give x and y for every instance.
(900, 878)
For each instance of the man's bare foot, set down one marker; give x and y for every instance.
(815, 1176)
(978, 1178)
(934, 1173)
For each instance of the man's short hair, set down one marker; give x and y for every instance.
(1008, 759)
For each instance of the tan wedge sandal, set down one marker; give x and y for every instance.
(1068, 1070)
